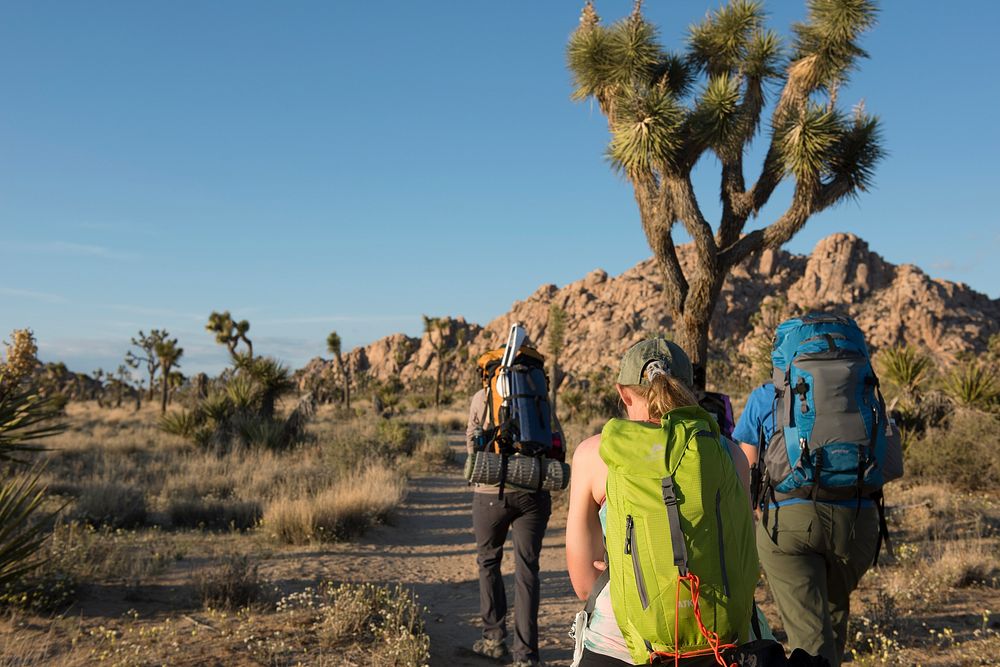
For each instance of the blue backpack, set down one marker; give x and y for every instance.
(829, 441)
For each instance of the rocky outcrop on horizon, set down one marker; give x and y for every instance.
(892, 304)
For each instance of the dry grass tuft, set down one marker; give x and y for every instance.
(434, 451)
(965, 563)
(236, 584)
(112, 504)
(214, 514)
(343, 511)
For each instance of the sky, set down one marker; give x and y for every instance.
(350, 166)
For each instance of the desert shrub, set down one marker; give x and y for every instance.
(44, 591)
(964, 453)
(966, 562)
(434, 450)
(387, 618)
(236, 584)
(240, 410)
(398, 436)
(876, 631)
(111, 504)
(354, 624)
(214, 514)
(79, 552)
(340, 512)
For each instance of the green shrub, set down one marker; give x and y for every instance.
(397, 436)
(963, 453)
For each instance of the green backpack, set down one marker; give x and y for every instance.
(679, 536)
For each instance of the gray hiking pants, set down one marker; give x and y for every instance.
(525, 514)
(814, 557)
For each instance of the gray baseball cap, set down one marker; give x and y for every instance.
(639, 355)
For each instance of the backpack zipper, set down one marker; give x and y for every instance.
(722, 544)
(630, 549)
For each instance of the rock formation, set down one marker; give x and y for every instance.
(892, 304)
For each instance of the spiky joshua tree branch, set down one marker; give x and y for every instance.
(230, 333)
(667, 110)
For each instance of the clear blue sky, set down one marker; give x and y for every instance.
(351, 165)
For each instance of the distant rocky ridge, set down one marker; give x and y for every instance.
(892, 304)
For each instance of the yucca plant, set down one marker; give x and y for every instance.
(905, 368)
(242, 393)
(183, 423)
(972, 385)
(272, 378)
(25, 418)
(22, 533)
(666, 110)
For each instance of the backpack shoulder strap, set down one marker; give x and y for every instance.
(595, 592)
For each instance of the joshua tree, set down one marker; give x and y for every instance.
(169, 354)
(121, 380)
(147, 354)
(437, 330)
(555, 334)
(229, 332)
(660, 127)
(99, 377)
(333, 346)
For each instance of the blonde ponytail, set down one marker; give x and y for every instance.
(663, 394)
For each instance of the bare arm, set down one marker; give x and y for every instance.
(741, 465)
(584, 538)
(750, 451)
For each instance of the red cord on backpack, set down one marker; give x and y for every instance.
(714, 641)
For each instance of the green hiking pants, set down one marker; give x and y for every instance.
(814, 556)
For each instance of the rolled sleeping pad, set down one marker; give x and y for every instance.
(522, 471)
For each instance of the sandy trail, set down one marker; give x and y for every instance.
(430, 548)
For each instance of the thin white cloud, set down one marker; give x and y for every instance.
(72, 249)
(153, 312)
(334, 319)
(32, 294)
(118, 228)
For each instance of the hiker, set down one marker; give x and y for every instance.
(756, 423)
(506, 507)
(674, 448)
(822, 454)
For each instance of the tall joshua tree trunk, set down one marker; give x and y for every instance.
(168, 353)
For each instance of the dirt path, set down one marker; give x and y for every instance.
(430, 548)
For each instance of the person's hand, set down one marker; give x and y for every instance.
(600, 565)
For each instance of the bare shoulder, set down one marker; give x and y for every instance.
(588, 449)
